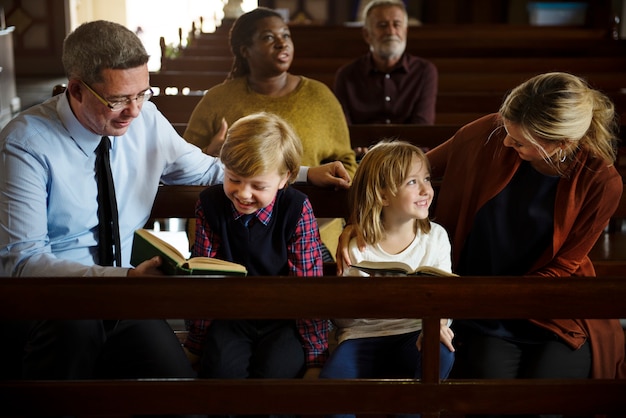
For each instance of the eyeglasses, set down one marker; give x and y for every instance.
(121, 103)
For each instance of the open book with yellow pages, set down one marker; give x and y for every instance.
(397, 268)
(146, 245)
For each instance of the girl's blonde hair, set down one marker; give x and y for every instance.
(260, 143)
(382, 170)
(562, 107)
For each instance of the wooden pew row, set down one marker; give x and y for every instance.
(326, 297)
(439, 40)
(335, 33)
(609, 81)
(312, 40)
(305, 65)
(459, 109)
(180, 201)
(426, 136)
(460, 46)
(451, 108)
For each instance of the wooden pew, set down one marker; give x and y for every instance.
(609, 81)
(451, 108)
(426, 136)
(180, 201)
(176, 108)
(428, 40)
(455, 47)
(326, 297)
(180, 80)
(432, 32)
(442, 40)
(308, 65)
(461, 74)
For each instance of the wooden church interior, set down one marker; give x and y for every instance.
(482, 49)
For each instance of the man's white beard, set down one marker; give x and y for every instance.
(392, 49)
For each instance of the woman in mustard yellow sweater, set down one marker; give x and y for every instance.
(260, 81)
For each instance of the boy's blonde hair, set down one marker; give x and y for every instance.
(260, 143)
(382, 170)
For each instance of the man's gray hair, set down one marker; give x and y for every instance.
(99, 45)
(380, 3)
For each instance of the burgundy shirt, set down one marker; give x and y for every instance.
(406, 94)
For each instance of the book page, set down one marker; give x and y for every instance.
(398, 268)
(389, 266)
(164, 246)
(206, 263)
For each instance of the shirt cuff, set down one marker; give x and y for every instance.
(303, 174)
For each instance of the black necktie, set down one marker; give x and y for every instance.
(108, 230)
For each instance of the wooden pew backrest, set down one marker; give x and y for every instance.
(325, 297)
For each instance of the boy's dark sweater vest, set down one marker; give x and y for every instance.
(261, 248)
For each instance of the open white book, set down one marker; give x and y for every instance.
(146, 245)
(397, 268)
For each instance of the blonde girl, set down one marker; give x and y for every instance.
(389, 200)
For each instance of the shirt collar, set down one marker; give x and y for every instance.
(84, 138)
(402, 65)
(263, 215)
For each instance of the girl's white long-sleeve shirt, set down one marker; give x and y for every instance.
(432, 249)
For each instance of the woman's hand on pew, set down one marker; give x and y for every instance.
(332, 174)
(217, 141)
(147, 268)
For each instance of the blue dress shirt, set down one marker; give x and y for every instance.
(48, 190)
